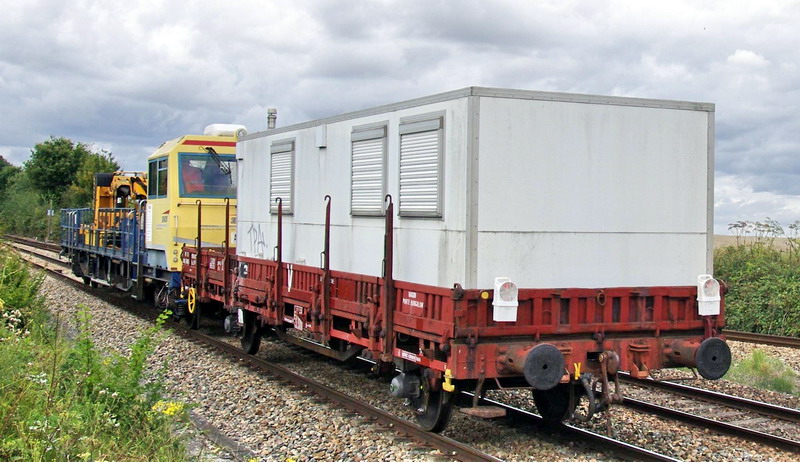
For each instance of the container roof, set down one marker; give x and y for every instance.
(494, 93)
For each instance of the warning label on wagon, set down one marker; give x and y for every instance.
(413, 303)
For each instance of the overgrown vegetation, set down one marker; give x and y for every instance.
(64, 399)
(764, 371)
(59, 173)
(763, 278)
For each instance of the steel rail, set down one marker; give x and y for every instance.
(762, 339)
(737, 402)
(773, 411)
(41, 256)
(595, 440)
(448, 446)
(716, 425)
(48, 258)
(33, 242)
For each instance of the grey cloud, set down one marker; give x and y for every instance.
(780, 183)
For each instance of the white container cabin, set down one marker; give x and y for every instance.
(552, 190)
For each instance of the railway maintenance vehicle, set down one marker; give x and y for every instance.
(133, 235)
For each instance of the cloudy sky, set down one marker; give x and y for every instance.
(127, 75)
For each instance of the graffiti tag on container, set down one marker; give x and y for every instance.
(257, 238)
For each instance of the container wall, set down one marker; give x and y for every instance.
(252, 230)
(591, 195)
(427, 250)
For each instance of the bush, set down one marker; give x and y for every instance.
(22, 211)
(764, 371)
(20, 302)
(66, 399)
(763, 282)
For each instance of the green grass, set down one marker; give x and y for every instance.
(65, 399)
(764, 371)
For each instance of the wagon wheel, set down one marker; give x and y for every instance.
(553, 404)
(433, 407)
(193, 309)
(251, 333)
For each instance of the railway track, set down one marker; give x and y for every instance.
(51, 246)
(447, 446)
(763, 339)
(31, 248)
(621, 448)
(752, 420)
(451, 448)
(744, 418)
(401, 426)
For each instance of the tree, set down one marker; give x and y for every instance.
(80, 192)
(53, 166)
(59, 173)
(21, 210)
(7, 173)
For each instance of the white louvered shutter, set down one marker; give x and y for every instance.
(368, 164)
(420, 168)
(281, 178)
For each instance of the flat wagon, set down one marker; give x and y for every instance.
(482, 238)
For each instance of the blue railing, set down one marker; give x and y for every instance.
(113, 232)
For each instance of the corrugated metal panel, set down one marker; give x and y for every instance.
(367, 187)
(420, 157)
(281, 177)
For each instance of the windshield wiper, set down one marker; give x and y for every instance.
(223, 167)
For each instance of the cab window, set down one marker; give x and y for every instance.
(157, 178)
(203, 175)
